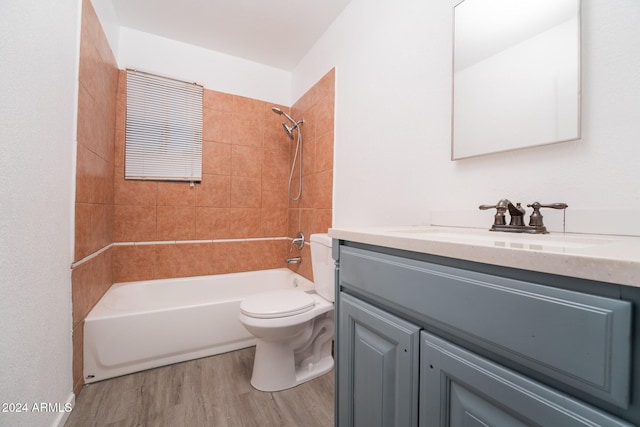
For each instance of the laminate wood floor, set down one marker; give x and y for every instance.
(213, 391)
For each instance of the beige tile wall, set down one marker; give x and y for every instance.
(98, 78)
(242, 196)
(313, 212)
(243, 193)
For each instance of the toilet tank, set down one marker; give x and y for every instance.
(323, 266)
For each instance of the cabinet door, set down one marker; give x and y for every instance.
(459, 388)
(377, 366)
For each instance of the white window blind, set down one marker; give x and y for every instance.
(163, 139)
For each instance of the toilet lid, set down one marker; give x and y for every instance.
(281, 303)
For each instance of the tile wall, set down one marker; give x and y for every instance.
(238, 218)
(92, 271)
(312, 213)
(234, 220)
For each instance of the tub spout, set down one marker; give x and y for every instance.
(294, 260)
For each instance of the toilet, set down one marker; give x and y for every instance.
(293, 328)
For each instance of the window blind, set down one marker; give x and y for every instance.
(163, 136)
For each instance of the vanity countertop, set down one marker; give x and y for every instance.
(612, 259)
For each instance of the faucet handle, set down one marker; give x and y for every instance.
(535, 220)
(552, 205)
(297, 242)
(501, 208)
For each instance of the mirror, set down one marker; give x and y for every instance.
(516, 75)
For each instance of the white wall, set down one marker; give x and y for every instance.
(392, 133)
(39, 44)
(385, 87)
(214, 70)
(109, 22)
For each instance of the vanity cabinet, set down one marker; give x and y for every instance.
(429, 341)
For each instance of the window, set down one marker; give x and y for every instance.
(163, 139)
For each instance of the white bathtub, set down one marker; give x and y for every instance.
(142, 325)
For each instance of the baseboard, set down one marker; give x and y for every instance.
(62, 416)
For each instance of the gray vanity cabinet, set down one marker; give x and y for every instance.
(379, 353)
(433, 342)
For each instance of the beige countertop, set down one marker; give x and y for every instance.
(614, 259)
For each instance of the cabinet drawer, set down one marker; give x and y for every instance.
(579, 339)
(459, 388)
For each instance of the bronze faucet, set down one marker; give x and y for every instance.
(517, 212)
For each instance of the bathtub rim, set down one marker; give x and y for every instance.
(102, 309)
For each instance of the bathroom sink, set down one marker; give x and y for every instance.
(549, 242)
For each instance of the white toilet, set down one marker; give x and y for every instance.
(294, 329)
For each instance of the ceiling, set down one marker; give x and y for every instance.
(277, 33)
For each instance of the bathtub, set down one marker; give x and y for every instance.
(146, 324)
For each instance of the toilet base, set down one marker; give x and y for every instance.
(283, 374)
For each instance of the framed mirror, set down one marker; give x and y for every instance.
(516, 75)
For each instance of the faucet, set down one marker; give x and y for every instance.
(517, 212)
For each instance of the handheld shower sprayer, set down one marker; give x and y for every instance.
(288, 129)
(282, 113)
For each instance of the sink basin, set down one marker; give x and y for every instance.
(548, 242)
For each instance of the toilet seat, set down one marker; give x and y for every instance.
(274, 304)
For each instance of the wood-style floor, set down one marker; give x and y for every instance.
(214, 391)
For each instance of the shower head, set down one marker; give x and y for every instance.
(289, 129)
(282, 113)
